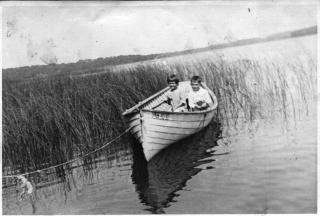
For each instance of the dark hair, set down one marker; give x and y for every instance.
(173, 78)
(196, 79)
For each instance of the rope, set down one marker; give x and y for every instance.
(75, 159)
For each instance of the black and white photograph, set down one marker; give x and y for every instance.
(159, 107)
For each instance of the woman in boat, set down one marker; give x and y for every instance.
(176, 95)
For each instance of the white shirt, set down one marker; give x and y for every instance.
(200, 95)
(178, 95)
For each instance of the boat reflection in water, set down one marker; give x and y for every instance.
(159, 180)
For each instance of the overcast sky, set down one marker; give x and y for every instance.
(68, 32)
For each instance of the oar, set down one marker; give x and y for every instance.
(137, 107)
(158, 105)
(165, 101)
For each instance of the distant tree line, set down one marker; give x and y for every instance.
(66, 69)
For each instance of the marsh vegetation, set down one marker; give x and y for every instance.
(52, 120)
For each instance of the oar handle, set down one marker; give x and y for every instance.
(159, 104)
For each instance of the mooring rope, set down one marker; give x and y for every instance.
(70, 161)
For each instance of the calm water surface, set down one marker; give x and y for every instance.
(260, 167)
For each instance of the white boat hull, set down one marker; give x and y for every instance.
(157, 130)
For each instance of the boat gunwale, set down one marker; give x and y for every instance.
(178, 113)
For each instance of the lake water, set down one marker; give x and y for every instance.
(265, 166)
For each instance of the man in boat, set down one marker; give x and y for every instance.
(199, 98)
(176, 94)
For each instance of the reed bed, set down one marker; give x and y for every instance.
(49, 121)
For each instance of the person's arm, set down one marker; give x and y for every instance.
(181, 104)
(169, 101)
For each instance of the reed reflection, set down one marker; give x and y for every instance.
(59, 187)
(159, 180)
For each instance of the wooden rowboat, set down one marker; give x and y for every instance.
(156, 127)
